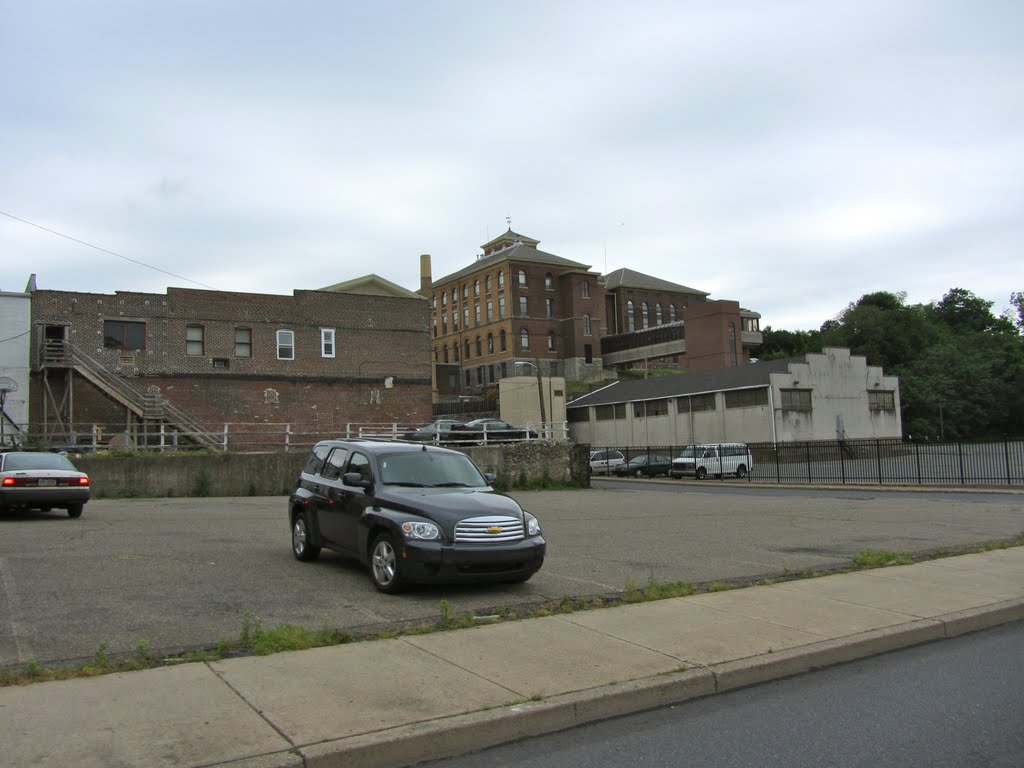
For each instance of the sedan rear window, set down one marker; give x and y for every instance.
(13, 461)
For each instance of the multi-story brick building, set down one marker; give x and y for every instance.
(321, 359)
(516, 303)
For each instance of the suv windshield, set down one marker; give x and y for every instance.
(426, 469)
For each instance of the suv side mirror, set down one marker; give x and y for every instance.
(490, 477)
(356, 479)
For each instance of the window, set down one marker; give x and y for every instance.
(455, 351)
(124, 334)
(467, 350)
(487, 283)
(501, 307)
(433, 325)
(465, 317)
(444, 352)
(490, 345)
(286, 345)
(502, 344)
(880, 400)
(588, 353)
(335, 464)
(465, 292)
(243, 342)
(651, 408)
(480, 375)
(524, 339)
(585, 289)
(630, 319)
(643, 311)
(444, 299)
(576, 415)
(522, 307)
(476, 313)
(193, 340)
(549, 308)
(549, 282)
(501, 280)
(522, 278)
(469, 377)
(657, 314)
(609, 412)
(551, 341)
(327, 342)
(490, 310)
(586, 326)
(695, 403)
(455, 296)
(433, 301)
(455, 320)
(671, 313)
(476, 287)
(746, 398)
(796, 399)
(221, 362)
(490, 373)
(444, 324)
(479, 347)
(750, 324)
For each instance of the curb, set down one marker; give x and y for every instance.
(474, 731)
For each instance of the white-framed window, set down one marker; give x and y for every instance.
(549, 282)
(524, 339)
(585, 289)
(194, 340)
(630, 317)
(551, 341)
(501, 280)
(522, 278)
(587, 330)
(657, 314)
(327, 341)
(671, 313)
(285, 345)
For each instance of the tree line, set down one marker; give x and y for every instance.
(960, 367)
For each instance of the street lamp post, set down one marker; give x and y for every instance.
(540, 390)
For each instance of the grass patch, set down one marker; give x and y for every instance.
(882, 558)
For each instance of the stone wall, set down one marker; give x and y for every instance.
(274, 474)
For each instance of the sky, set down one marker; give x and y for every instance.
(790, 155)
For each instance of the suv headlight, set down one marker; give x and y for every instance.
(427, 531)
(532, 525)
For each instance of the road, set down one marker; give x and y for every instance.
(186, 573)
(953, 703)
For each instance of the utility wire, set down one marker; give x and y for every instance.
(104, 250)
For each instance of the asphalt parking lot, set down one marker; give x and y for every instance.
(185, 573)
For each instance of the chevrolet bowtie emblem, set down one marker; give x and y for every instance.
(494, 529)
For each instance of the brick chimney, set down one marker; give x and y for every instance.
(426, 282)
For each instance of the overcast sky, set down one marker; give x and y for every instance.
(789, 155)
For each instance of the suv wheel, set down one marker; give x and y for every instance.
(302, 547)
(384, 565)
(701, 473)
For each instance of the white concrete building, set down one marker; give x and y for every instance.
(827, 396)
(15, 345)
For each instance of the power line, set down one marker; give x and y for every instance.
(104, 250)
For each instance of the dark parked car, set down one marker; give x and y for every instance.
(411, 513)
(43, 481)
(646, 465)
(489, 431)
(434, 432)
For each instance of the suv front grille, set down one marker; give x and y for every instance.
(493, 528)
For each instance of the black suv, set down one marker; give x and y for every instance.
(412, 513)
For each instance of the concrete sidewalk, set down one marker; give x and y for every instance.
(397, 702)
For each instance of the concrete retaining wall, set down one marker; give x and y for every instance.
(274, 474)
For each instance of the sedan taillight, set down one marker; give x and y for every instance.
(9, 481)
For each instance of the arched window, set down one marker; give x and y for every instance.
(467, 349)
(586, 325)
(476, 287)
(524, 339)
(522, 278)
(433, 302)
(487, 283)
(551, 341)
(671, 313)
(465, 292)
(446, 353)
(455, 351)
(643, 310)
(585, 289)
(455, 296)
(657, 314)
(630, 318)
(501, 280)
(479, 347)
(549, 282)
(490, 343)
(502, 344)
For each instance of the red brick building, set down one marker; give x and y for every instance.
(194, 360)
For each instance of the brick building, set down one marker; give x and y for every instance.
(194, 360)
(518, 303)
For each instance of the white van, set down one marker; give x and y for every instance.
(716, 459)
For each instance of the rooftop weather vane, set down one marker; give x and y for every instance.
(508, 220)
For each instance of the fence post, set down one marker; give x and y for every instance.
(778, 470)
(960, 457)
(1006, 455)
(807, 446)
(842, 462)
(878, 458)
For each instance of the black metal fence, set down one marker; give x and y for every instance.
(870, 462)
